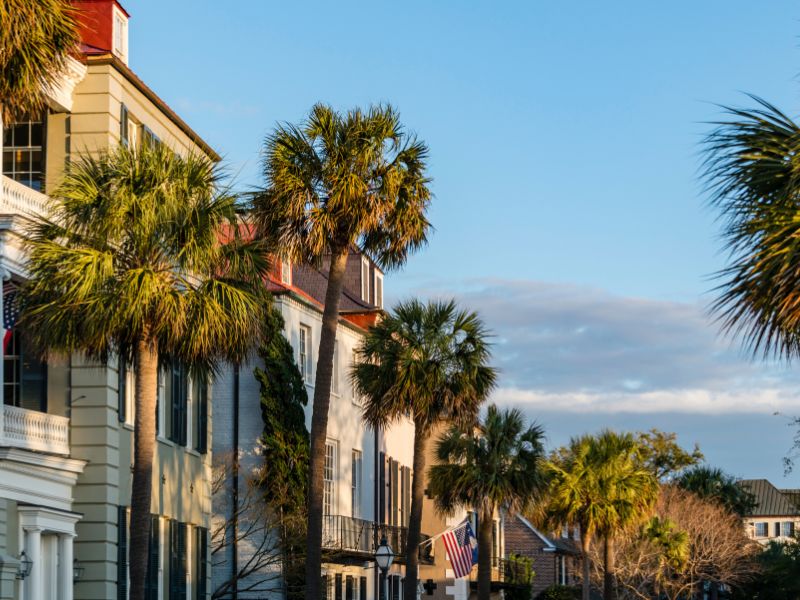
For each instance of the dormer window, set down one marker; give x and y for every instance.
(286, 272)
(121, 35)
(364, 279)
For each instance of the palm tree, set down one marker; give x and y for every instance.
(131, 263)
(715, 484)
(499, 464)
(751, 171)
(600, 484)
(36, 39)
(335, 182)
(427, 361)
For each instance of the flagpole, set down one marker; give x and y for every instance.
(430, 540)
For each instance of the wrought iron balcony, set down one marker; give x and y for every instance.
(347, 539)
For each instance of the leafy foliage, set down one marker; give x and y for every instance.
(714, 484)
(522, 575)
(285, 438)
(778, 575)
(661, 453)
(339, 180)
(426, 360)
(36, 39)
(559, 592)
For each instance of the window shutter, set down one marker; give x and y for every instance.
(183, 401)
(122, 553)
(363, 588)
(181, 583)
(202, 417)
(151, 585)
(348, 593)
(324, 587)
(338, 584)
(122, 373)
(201, 558)
(395, 581)
(382, 488)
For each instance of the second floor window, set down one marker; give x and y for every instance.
(357, 465)
(24, 376)
(329, 477)
(23, 153)
(304, 357)
(176, 391)
(762, 530)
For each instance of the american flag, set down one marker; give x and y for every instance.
(10, 312)
(462, 549)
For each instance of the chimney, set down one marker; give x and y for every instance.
(103, 26)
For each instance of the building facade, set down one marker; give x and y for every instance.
(776, 516)
(66, 425)
(367, 474)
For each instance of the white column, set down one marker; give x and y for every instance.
(65, 565)
(33, 550)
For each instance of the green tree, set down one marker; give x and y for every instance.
(428, 361)
(131, 263)
(661, 453)
(498, 464)
(334, 182)
(284, 476)
(778, 574)
(36, 39)
(715, 484)
(600, 484)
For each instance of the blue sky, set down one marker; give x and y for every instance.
(564, 150)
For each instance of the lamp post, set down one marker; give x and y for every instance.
(384, 556)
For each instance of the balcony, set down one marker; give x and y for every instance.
(19, 199)
(347, 540)
(33, 430)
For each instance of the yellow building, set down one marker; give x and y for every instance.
(66, 427)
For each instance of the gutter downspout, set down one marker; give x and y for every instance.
(236, 481)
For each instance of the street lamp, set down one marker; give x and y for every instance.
(384, 556)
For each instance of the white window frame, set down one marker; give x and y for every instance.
(304, 346)
(329, 495)
(364, 279)
(286, 272)
(130, 396)
(356, 481)
(378, 285)
(120, 35)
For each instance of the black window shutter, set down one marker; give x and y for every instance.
(183, 402)
(122, 371)
(395, 581)
(382, 488)
(324, 587)
(338, 584)
(348, 588)
(201, 557)
(151, 585)
(181, 583)
(201, 444)
(363, 588)
(122, 553)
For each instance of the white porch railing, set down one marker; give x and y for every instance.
(16, 198)
(33, 430)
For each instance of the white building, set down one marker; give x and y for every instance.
(367, 476)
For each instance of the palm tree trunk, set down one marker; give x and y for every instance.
(319, 423)
(485, 554)
(586, 583)
(415, 519)
(608, 568)
(144, 440)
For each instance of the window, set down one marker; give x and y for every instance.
(355, 397)
(762, 529)
(124, 124)
(148, 137)
(24, 375)
(23, 152)
(777, 529)
(355, 478)
(176, 393)
(153, 560)
(787, 529)
(329, 489)
(177, 559)
(120, 35)
(335, 374)
(304, 357)
(200, 416)
(364, 279)
(122, 553)
(286, 272)
(378, 289)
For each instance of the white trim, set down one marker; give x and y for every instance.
(378, 278)
(119, 19)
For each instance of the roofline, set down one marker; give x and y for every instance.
(125, 70)
(551, 547)
(302, 298)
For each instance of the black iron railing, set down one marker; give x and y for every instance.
(348, 535)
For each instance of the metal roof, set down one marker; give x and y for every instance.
(772, 502)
